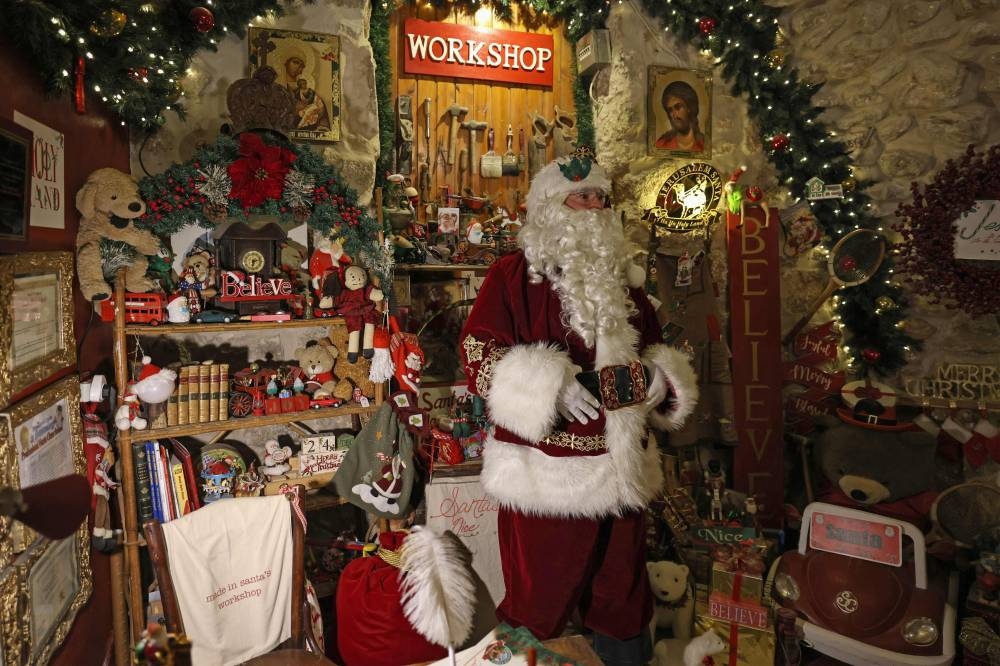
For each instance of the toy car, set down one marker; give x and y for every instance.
(319, 403)
(214, 317)
(858, 599)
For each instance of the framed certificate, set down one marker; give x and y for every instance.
(8, 479)
(46, 434)
(36, 319)
(56, 581)
(15, 180)
(11, 628)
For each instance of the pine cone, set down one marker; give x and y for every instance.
(301, 214)
(216, 212)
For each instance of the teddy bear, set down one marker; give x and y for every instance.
(317, 361)
(862, 466)
(357, 304)
(356, 374)
(198, 278)
(108, 239)
(673, 600)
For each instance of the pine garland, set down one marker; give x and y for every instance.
(378, 35)
(131, 54)
(313, 192)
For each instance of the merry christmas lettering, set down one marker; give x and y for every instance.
(254, 592)
(958, 381)
(465, 514)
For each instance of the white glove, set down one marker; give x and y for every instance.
(656, 391)
(574, 402)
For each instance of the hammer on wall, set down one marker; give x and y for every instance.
(455, 110)
(473, 126)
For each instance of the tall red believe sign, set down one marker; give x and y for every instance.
(755, 318)
(467, 52)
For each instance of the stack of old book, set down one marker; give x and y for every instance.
(202, 394)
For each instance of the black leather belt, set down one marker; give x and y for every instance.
(617, 386)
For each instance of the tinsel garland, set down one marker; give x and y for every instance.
(313, 192)
(134, 52)
(927, 253)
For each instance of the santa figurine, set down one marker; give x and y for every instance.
(327, 266)
(154, 386)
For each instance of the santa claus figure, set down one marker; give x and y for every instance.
(566, 350)
(327, 266)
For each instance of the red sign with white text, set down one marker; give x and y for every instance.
(743, 613)
(755, 322)
(871, 540)
(468, 52)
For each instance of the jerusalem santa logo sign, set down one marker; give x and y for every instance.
(688, 199)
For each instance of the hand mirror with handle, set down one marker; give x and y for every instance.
(853, 261)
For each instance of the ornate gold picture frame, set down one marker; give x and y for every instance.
(11, 627)
(36, 319)
(45, 442)
(678, 112)
(9, 478)
(55, 582)
(308, 64)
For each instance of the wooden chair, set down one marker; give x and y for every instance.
(301, 647)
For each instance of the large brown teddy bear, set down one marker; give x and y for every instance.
(108, 239)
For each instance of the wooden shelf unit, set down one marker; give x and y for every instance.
(132, 585)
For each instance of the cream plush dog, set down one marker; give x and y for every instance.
(107, 238)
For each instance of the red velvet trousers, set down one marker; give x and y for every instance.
(552, 566)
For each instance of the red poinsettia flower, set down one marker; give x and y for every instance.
(259, 174)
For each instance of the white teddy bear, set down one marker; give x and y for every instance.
(673, 599)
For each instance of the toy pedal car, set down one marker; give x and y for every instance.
(857, 599)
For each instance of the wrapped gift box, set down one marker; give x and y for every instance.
(736, 584)
(747, 645)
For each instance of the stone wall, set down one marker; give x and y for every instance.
(210, 75)
(908, 84)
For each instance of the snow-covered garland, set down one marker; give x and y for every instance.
(257, 174)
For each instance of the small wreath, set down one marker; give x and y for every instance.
(927, 252)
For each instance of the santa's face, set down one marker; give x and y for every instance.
(413, 361)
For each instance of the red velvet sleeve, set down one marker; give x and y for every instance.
(488, 331)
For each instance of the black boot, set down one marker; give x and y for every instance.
(632, 652)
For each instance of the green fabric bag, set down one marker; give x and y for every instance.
(377, 473)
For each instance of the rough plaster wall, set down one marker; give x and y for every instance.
(211, 74)
(909, 84)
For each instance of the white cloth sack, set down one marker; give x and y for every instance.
(231, 564)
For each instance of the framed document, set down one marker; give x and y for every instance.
(15, 180)
(36, 319)
(8, 479)
(47, 437)
(11, 629)
(56, 581)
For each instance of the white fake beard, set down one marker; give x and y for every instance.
(583, 254)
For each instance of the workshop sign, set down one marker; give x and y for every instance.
(466, 52)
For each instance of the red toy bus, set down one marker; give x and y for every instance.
(140, 308)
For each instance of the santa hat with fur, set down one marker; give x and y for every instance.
(573, 173)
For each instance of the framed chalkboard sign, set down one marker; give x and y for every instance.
(15, 180)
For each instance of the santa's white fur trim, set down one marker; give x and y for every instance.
(627, 477)
(635, 275)
(523, 389)
(677, 367)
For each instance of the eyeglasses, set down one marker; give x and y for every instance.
(588, 198)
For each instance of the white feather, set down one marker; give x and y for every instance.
(438, 591)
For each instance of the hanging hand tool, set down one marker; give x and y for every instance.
(425, 174)
(509, 158)
(455, 110)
